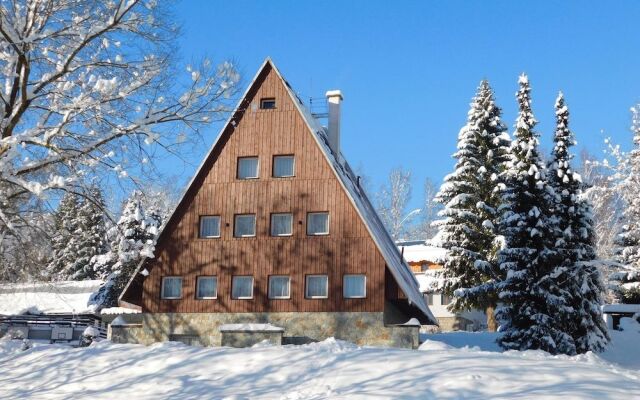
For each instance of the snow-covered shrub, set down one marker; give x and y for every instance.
(90, 334)
(26, 345)
(133, 239)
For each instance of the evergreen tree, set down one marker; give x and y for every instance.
(132, 239)
(627, 287)
(531, 301)
(471, 200)
(577, 274)
(90, 237)
(64, 243)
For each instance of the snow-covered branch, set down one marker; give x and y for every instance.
(90, 88)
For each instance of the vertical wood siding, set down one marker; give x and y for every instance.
(348, 249)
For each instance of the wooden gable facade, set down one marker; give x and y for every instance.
(216, 191)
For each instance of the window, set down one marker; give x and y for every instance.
(279, 286)
(268, 103)
(429, 297)
(248, 167)
(171, 287)
(446, 299)
(318, 223)
(281, 224)
(283, 166)
(210, 226)
(354, 286)
(317, 287)
(245, 225)
(242, 287)
(207, 287)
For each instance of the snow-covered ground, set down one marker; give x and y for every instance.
(624, 349)
(330, 369)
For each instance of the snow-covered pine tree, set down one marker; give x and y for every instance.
(133, 239)
(471, 200)
(628, 240)
(90, 236)
(577, 274)
(64, 243)
(531, 301)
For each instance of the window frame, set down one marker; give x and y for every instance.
(328, 223)
(306, 286)
(162, 289)
(268, 100)
(288, 287)
(431, 296)
(253, 283)
(271, 224)
(273, 166)
(202, 218)
(249, 177)
(235, 224)
(344, 295)
(198, 279)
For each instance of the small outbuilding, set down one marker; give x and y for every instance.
(49, 311)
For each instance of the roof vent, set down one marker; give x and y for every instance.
(334, 98)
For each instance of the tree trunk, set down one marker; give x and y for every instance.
(492, 324)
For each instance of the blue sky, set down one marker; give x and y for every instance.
(408, 70)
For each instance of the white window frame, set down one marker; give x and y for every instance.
(281, 234)
(257, 176)
(202, 218)
(165, 278)
(288, 287)
(306, 286)
(235, 224)
(293, 169)
(309, 214)
(198, 287)
(344, 294)
(233, 278)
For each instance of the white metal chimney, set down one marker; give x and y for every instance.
(334, 97)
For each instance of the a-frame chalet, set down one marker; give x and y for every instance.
(275, 235)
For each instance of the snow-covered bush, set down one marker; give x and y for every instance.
(89, 335)
(133, 238)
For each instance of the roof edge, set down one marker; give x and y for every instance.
(267, 62)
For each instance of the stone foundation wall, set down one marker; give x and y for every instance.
(248, 339)
(133, 333)
(361, 328)
(453, 323)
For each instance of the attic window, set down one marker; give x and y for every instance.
(268, 103)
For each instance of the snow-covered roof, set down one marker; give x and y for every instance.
(423, 253)
(621, 308)
(47, 297)
(429, 281)
(349, 181)
(119, 311)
